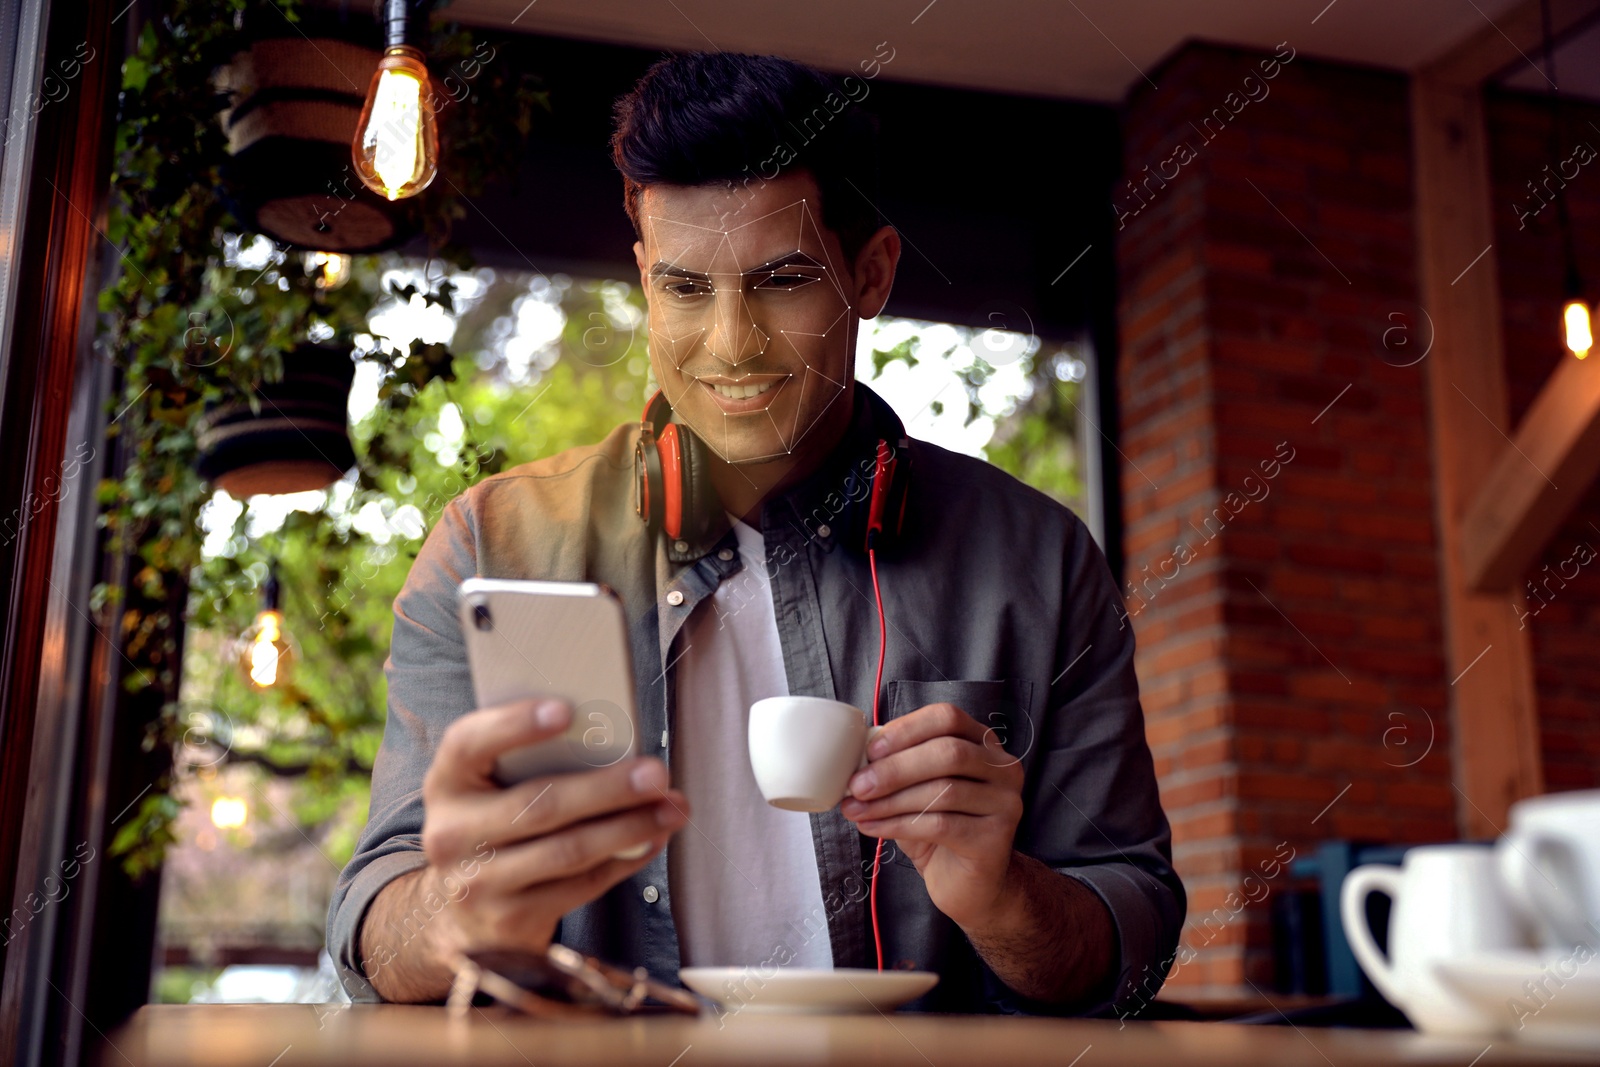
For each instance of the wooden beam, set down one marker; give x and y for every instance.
(1495, 732)
(1514, 37)
(1539, 479)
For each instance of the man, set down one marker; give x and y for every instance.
(1026, 858)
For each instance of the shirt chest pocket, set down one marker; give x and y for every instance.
(1001, 705)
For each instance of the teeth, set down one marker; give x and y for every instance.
(739, 392)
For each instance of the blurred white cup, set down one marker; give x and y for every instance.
(1447, 904)
(1550, 861)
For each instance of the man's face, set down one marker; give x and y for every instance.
(751, 327)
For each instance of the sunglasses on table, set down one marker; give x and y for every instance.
(561, 983)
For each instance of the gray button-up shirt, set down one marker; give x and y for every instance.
(998, 601)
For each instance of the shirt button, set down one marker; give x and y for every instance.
(725, 555)
(651, 894)
(675, 597)
(680, 546)
(824, 531)
(663, 739)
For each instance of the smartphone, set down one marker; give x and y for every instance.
(567, 640)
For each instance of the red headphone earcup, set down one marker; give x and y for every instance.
(701, 505)
(670, 450)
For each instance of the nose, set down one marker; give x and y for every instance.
(735, 336)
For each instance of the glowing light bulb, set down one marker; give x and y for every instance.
(265, 652)
(330, 269)
(228, 813)
(1580, 337)
(396, 149)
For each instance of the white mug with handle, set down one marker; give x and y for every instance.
(1447, 903)
(1550, 862)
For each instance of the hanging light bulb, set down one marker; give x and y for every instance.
(329, 270)
(265, 652)
(1576, 331)
(396, 148)
(228, 813)
(1580, 337)
(265, 658)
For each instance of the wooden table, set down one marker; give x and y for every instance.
(275, 1035)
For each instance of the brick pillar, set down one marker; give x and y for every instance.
(1282, 578)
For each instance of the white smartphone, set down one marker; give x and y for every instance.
(567, 640)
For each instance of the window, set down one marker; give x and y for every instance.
(275, 779)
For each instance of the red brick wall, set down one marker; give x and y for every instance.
(1564, 615)
(1294, 660)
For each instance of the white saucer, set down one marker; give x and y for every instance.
(1547, 997)
(780, 989)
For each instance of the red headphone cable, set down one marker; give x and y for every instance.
(882, 476)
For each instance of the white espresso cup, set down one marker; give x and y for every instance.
(804, 750)
(1550, 861)
(1447, 903)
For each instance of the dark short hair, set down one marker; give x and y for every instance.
(701, 118)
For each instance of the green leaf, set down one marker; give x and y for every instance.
(135, 74)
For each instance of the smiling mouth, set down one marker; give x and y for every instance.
(739, 392)
(743, 388)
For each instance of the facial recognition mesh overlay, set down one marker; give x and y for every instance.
(750, 327)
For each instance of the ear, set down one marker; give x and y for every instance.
(638, 257)
(874, 271)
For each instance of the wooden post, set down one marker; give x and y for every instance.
(1492, 699)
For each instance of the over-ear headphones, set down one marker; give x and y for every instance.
(674, 492)
(672, 474)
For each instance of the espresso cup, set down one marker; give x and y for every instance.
(1447, 904)
(804, 750)
(1550, 862)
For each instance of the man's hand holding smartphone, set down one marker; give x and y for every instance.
(555, 842)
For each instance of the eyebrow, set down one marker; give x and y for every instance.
(788, 259)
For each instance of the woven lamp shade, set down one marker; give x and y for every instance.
(297, 441)
(295, 103)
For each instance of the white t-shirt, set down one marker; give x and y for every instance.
(745, 886)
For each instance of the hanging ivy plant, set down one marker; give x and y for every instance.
(187, 323)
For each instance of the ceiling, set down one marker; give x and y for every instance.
(1092, 50)
(1577, 63)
